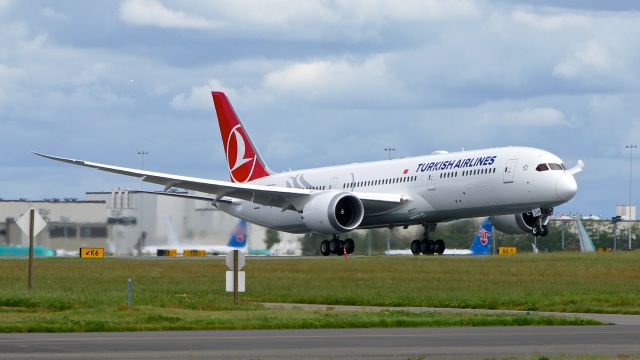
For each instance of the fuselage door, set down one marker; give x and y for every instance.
(431, 182)
(335, 183)
(509, 170)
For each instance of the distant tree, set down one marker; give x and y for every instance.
(310, 243)
(273, 237)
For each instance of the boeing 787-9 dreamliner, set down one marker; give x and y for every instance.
(518, 187)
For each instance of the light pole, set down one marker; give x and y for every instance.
(630, 147)
(142, 154)
(389, 150)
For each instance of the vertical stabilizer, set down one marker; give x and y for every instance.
(238, 237)
(245, 163)
(481, 244)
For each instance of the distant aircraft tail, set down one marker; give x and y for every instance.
(481, 244)
(245, 163)
(238, 237)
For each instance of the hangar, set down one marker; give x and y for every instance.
(115, 221)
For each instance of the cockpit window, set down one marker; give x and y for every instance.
(564, 166)
(555, 166)
(542, 167)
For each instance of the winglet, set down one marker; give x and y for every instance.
(576, 169)
(245, 163)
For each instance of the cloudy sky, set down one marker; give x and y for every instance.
(316, 83)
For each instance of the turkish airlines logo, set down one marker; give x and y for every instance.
(484, 236)
(240, 155)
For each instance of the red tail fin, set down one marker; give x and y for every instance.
(245, 163)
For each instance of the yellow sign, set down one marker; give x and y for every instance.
(194, 253)
(167, 252)
(503, 250)
(94, 253)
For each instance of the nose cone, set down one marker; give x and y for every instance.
(566, 187)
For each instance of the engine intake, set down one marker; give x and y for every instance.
(333, 212)
(516, 224)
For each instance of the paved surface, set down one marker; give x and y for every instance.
(604, 318)
(609, 341)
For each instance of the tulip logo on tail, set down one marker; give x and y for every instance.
(240, 155)
(244, 161)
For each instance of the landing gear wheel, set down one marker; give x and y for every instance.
(426, 247)
(324, 248)
(544, 230)
(334, 245)
(340, 247)
(535, 231)
(350, 245)
(439, 244)
(415, 247)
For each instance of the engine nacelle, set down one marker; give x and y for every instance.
(516, 224)
(333, 212)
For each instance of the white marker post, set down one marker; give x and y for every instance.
(235, 278)
(31, 223)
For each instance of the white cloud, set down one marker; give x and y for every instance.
(531, 117)
(53, 14)
(339, 81)
(593, 58)
(154, 13)
(549, 21)
(10, 77)
(279, 20)
(199, 97)
(4, 5)
(334, 82)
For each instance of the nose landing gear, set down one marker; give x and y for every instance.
(541, 217)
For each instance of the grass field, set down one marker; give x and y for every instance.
(91, 295)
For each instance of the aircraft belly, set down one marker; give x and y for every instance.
(267, 216)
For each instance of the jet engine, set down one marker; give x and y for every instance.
(518, 223)
(333, 212)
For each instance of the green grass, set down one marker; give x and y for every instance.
(91, 295)
(148, 318)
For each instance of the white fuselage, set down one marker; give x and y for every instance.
(439, 187)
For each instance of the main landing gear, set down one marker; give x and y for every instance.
(426, 245)
(337, 246)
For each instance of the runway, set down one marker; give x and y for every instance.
(609, 341)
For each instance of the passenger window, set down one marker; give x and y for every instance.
(542, 167)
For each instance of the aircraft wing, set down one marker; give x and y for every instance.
(277, 196)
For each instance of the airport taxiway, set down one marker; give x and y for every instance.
(479, 342)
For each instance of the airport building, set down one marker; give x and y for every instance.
(118, 219)
(626, 212)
